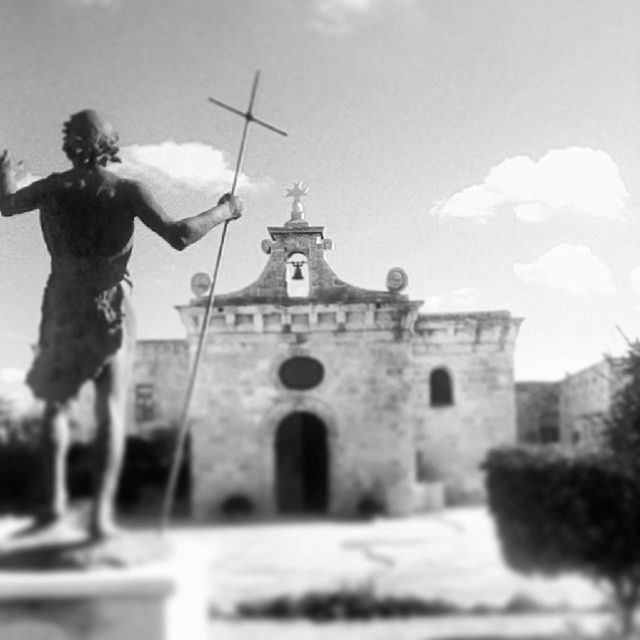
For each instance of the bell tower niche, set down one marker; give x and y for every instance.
(297, 276)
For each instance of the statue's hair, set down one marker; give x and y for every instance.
(89, 140)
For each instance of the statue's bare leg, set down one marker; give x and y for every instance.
(55, 444)
(111, 391)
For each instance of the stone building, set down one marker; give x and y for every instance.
(569, 412)
(585, 398)
(538, 412)
(316, 396)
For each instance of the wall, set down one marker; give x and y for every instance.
(538, 411)
(363, 400)
(585, 398)
(477, 350)
(163, 364)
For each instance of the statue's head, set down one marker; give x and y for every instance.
(90, 140)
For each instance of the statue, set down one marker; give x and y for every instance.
(87, 331)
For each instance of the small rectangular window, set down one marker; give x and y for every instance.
(145, 403)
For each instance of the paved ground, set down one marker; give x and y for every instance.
(453, 555)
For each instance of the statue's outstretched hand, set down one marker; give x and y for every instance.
(5, 162)
(234, 204)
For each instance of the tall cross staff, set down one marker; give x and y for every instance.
(183, 430)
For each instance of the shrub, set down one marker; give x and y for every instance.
(370, 506)
(237, 506)
(18, 482)
(146, 464)
(361, 602)
(556, 513)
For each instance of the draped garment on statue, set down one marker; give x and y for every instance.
(87, 316)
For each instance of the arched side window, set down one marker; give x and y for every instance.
(441, 387)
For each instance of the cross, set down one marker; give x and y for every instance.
(248, 116)
(248, 119)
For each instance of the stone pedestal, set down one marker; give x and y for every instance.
(157, 602)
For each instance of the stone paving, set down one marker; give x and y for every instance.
(453, 555)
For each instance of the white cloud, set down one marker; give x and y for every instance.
(635, 279)
(26, 179)
(461, 298)
(12, 336)
(337, 16)
(433, 302)
(91, 3)
(464, 297)
(179, 166)
(11, 375)
(573, 180)
(573, 268)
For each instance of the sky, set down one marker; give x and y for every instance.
(488, 147)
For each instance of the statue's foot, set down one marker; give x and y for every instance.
(101, 531)
(42, 524)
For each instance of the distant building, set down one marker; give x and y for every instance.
(572, 411)
(538, 412)
(585, 401)
(316, 396)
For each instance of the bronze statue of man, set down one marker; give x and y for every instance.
(87, 330)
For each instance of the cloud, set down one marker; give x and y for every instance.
(91, 3)
(178, 166)
(574, 180)
(26, 179)
(461, 298)
(337, 17)
(574, 268)
(12, 336)
(635, 279)
(11, 375)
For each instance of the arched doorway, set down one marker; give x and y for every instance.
(302, 463)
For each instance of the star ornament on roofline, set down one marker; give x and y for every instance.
(298, 190)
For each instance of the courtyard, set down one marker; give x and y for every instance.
(452, 555)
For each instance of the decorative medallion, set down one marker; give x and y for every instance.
(200, 284)
(397, 279)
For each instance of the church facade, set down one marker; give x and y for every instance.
(317, 396)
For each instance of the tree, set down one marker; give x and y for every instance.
(621, 435)
(578, 512)
(557, 513)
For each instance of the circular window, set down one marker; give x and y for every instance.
(301, 373)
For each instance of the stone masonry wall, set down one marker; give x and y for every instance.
(163, 364)
(477, 351)
(363, 401)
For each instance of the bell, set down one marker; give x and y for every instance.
(297, 271)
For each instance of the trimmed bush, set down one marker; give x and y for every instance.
(370, 506)
(146, 465)
(237, 506)
(363, 603)
(19, 465)
(556, 513)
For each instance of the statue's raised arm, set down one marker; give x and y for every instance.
(12, 199)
